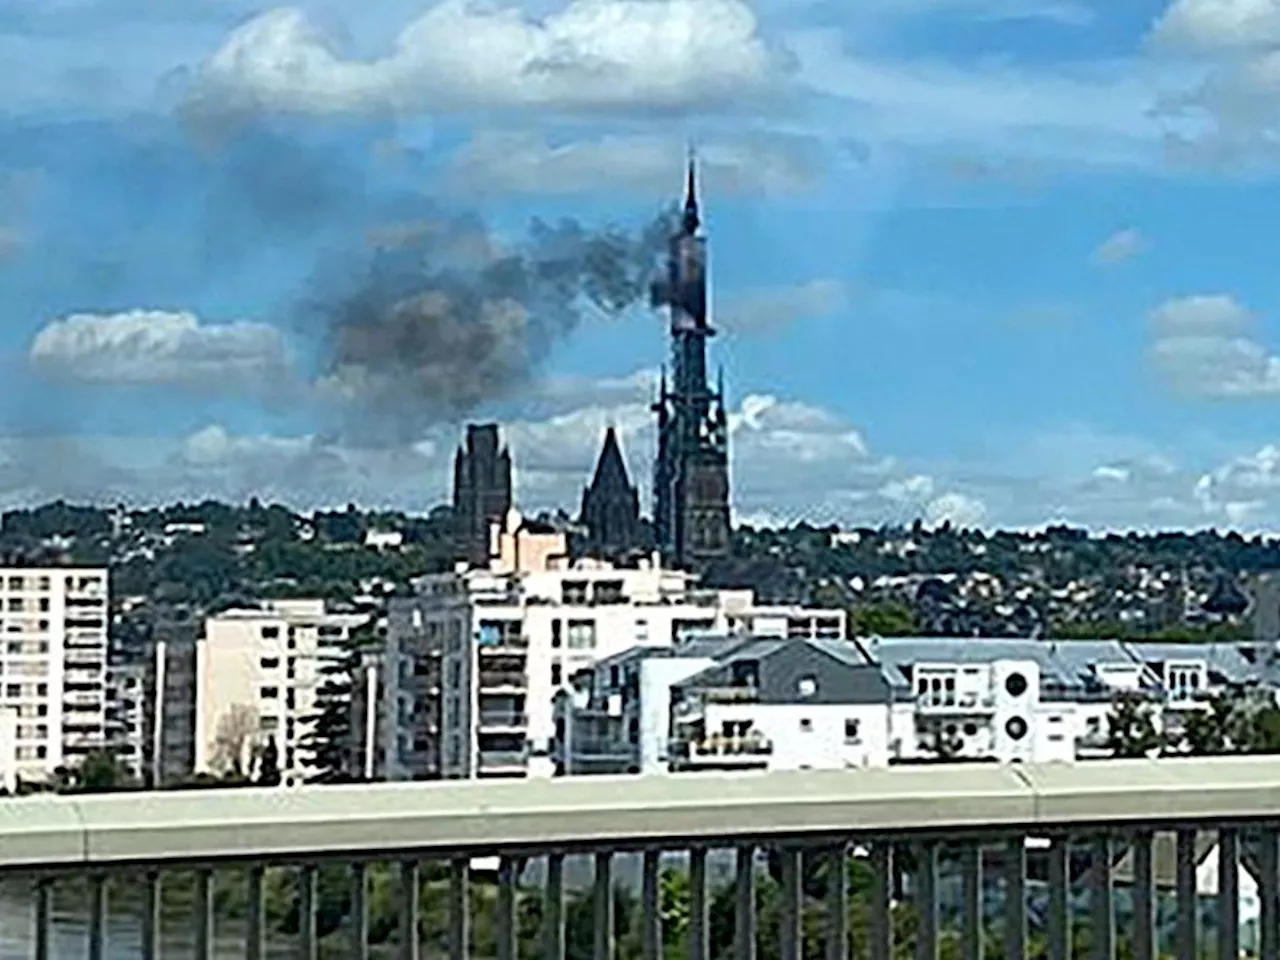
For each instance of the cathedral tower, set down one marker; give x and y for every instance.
(691, 472)
(481, 491)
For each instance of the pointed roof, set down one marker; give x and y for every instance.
(691, 220)
(611, 468)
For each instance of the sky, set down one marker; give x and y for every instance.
(998, 262)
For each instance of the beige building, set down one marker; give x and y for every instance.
(53, 659)
(257, 675)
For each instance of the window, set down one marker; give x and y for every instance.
(269, 663)
(851, 733)
(557, 627)
(573, 592)
(808, 686)
(269, 693)
(557, 672)
(581, 634)
(270, 633)
(806, 725)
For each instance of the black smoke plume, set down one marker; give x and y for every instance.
(445, 319)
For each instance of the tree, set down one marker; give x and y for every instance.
(99, 772)
(234, 739)
(1131, 728)
(882, 620)
(269, 764)
(328, 745)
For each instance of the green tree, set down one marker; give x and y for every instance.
(269, 764)
(99, 772)
(883, 620)
(1131, 728)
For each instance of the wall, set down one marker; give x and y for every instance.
(812, 736)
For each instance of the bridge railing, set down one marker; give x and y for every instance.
(970, 860)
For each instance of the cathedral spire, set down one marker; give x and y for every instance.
(691, 220)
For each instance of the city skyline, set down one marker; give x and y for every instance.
(990, 261)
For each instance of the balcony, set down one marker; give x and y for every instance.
(96, 870)
(951, 703)
(499, 762)
(721, 751)
(502, 681)
(500, 721)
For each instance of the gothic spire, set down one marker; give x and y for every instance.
(691, 220)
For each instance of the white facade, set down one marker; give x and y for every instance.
(257, 675)
(509, 641)
(9, 750)
(53, 664)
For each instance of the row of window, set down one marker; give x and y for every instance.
(44, 582)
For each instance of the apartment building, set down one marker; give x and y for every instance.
(726, 703)
(258, 671)
(54, 622)
(507, 638)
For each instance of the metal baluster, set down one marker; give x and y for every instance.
(254, 926)
(925, 896)
(151, 916)
(1101, 908)
(459, 908)
(699, 945)
(838, 903)
(1015, 906)
(409, 910)
(506, 926)
(553, 910)
(650, 909)
(360, 911)
(1269, 894)
(309, 942)
(744, 913)
(1060, 899)
(1144, 896)
(791, 931)
(602, 900)
(1187, 927)
(97, 917)
(44, 919)
(1228, 892)
(204, 914)
(881, 898)
(971, 901)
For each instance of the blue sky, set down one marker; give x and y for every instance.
(999, 261)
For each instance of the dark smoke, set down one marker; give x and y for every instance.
(445, 321)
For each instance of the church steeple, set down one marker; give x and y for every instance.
(611, 505)
(691, 220)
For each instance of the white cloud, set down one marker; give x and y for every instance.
(528, 163)
(1120, 247)
(460, 53)
(157, 347)
(1212, 25)
(1204, 345)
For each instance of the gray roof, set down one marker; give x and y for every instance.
(841, 672)
(1067, 667)
(1229, 660)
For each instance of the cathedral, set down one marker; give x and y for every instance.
(691, 520)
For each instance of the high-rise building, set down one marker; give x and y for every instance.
(691, 474)
(258, 672)
(53, 664)
(610, 505)
(481, 490)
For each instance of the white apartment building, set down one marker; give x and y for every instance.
(257, 676)
(53, 658)
(726, 703)
(509, 638)
(9, 750)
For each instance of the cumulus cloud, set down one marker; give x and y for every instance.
(1205, 345)
(461, 53)
(1120, 247)
(528, 163)
(157, 347)
(774, 307)
(1214, 25)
